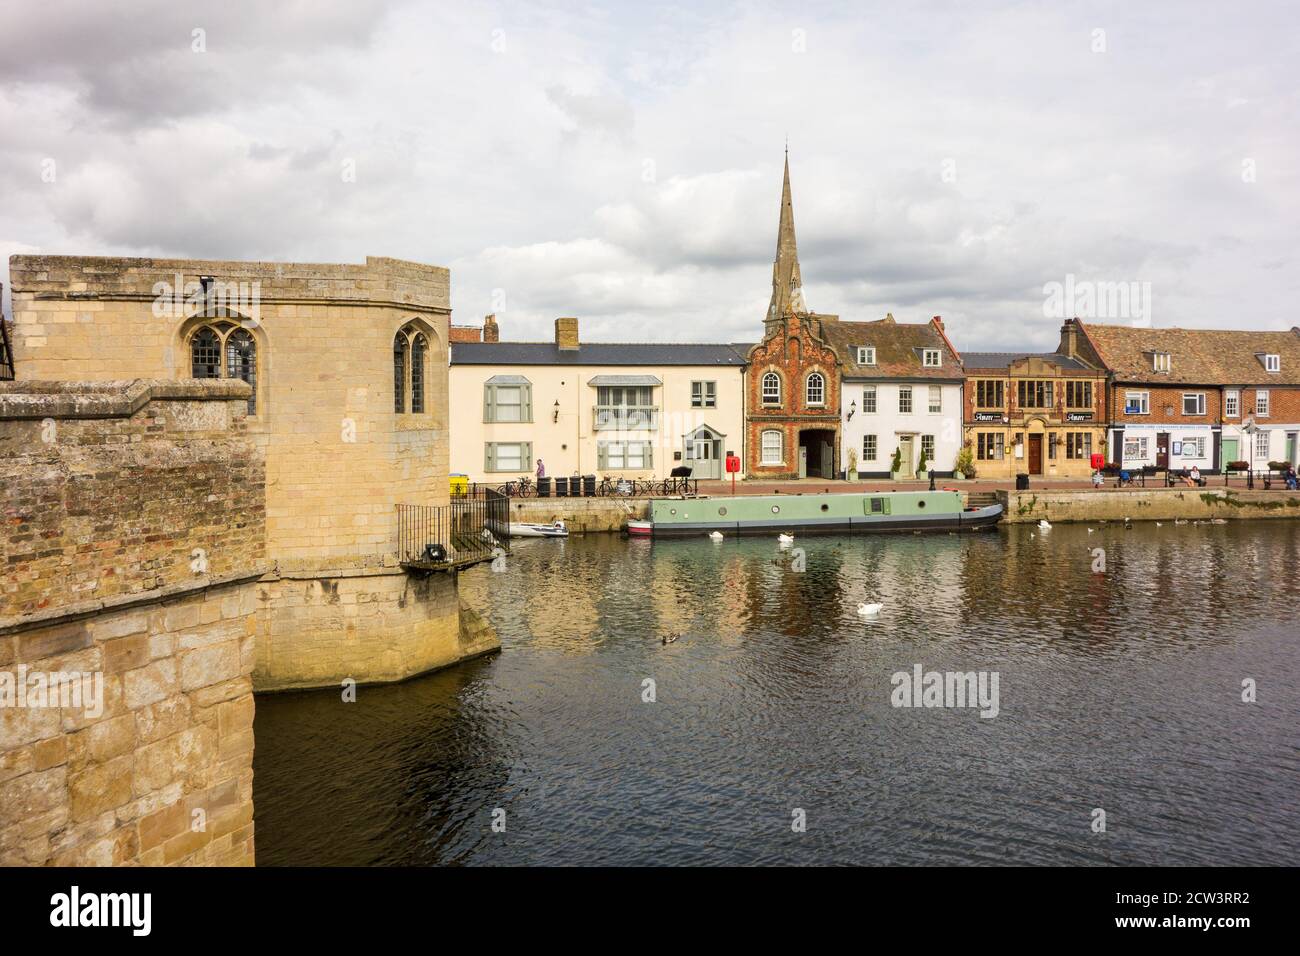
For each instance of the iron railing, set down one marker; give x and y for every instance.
(589, 486)
(6, 353)
(625, 418)
(472, 527)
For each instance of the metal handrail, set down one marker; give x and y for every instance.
(6, 353)
(625, 417)
(470, 528)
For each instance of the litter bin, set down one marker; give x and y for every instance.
(589, 485)
(575, 486)
(544, 487)
(561, 487)
(1022, 481)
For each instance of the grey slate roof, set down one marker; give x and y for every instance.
(1004, 359)
(595, 353)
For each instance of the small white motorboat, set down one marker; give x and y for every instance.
(522, 530)
(640, 528)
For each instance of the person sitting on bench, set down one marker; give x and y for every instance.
(1125, 478)
(1193, 477)
(1292, 481)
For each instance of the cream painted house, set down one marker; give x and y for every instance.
(606, 409)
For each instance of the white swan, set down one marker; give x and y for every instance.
(1045, 524)
(1091, 530)
(785, 538)
(869, 610)
(715, 535)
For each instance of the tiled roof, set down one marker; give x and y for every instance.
(595, 353)
(1005, 359)
(1197, 356)
(898, 348)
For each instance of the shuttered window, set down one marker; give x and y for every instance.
(508, 456)
(508, 403)
(632, 455)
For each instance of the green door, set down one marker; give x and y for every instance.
(1228, 451)
(1290, 447)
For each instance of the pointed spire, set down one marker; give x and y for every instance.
(787, 284)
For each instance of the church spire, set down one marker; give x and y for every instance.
(787, 285)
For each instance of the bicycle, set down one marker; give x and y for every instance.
(517, 488)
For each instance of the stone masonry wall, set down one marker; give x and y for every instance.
(147, 756)
(1155, 504)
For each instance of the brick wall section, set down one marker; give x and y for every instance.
(161, 771)
(1283, 403)
(104, 507)
(793, 348)
(1167, 405)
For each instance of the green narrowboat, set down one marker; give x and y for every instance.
(858, 513)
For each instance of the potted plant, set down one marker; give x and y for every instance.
(896, 465)
(963, 467)
(920, 467)
(853, 465)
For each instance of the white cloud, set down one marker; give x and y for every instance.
(623, 164)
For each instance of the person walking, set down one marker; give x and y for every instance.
(541, 470)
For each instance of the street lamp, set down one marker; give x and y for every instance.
(1249, 429)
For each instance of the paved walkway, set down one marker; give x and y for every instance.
(822, 486)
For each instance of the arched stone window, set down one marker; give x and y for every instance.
(225, 350)
(400, 348)
(419, 347)
(815, 392)
(771, 389)
(410, 370)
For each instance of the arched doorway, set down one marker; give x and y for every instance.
(702, 452)
(817, 453)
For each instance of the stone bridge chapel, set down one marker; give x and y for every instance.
(347, 366)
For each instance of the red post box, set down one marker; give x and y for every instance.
(733, 466)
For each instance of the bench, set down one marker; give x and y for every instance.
(1176, 476)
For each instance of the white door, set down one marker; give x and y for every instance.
(702, 456)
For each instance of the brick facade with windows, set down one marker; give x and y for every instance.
(1037, 414)
(793, 349)
(1184, 397)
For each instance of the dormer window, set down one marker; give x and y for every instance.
(1161, 361)
(1272, 363)
(930, 358)
(866, 355)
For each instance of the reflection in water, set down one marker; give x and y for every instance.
(1119, 690)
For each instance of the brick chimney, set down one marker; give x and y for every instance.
(490, 331)
(566, 334)
(1069, 338)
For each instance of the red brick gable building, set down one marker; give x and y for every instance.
(793, 398)
(793, 386)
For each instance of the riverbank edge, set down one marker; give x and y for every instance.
(606, 515)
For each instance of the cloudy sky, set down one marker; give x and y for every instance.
(621, 162)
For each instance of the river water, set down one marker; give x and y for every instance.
(1118, 690)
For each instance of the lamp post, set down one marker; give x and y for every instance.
(1248, 430)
